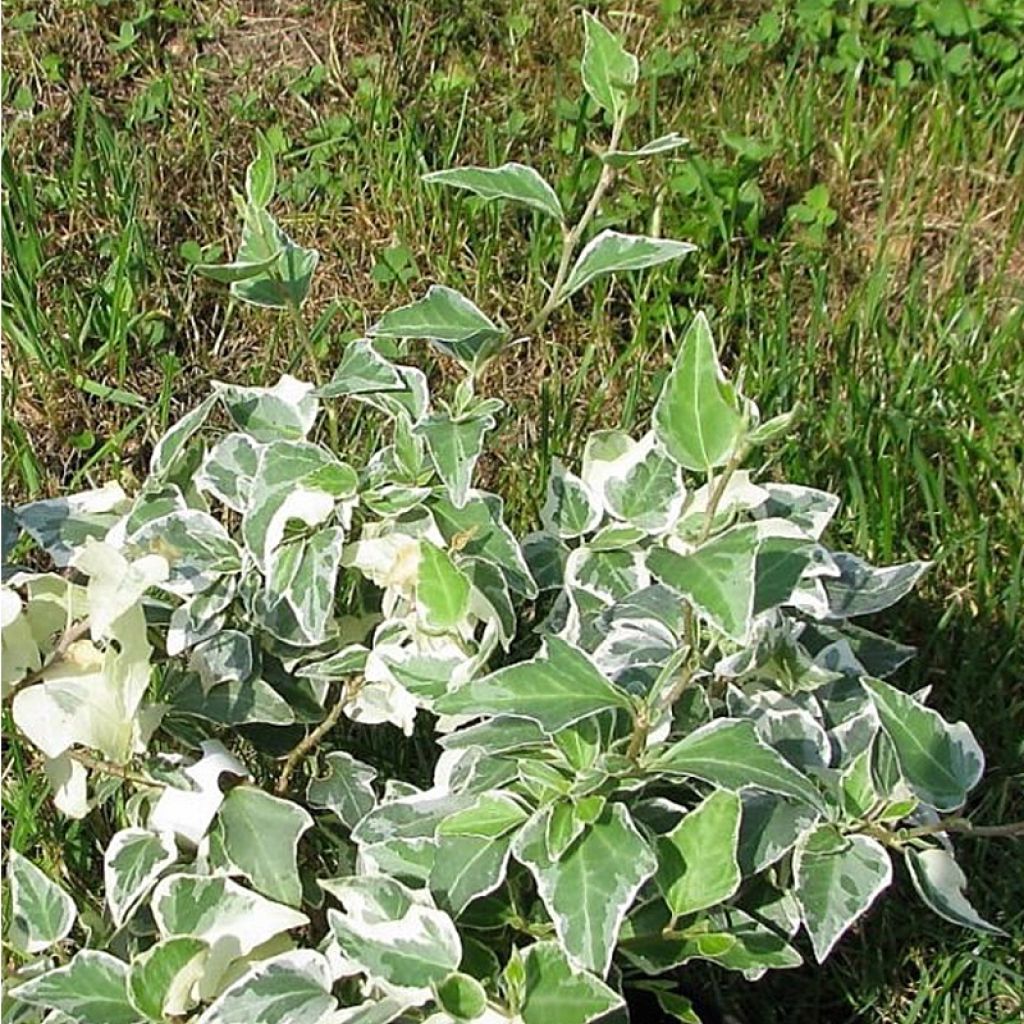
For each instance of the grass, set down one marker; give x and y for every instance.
(862, 251)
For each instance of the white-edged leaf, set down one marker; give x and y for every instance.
(940, 883)
(455, 446)
(612, 251)
(509, 181)
(863, 589)
(170, 446)
(92, 989)
(228, 470)
(346, 789)
(134, 859)
(493, 815)
(467, 867)
(42, 913)
(571, 508)
(555, 991)
(697, 416)
(284, 412)
(619, 158)
(162, 978)
(609, 71)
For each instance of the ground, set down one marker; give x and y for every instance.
(855, 182)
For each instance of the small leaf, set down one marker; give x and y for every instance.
(510, 181)
(619, 158)
(861, 589)
(449, 320)
(836, 883)
(466, 868)
(696, 416)
(940, 762)
(238, 270)
(728, 752)
(133, 862)
(346, 789)
(571, 508)
(168, 449)
(493, 815)
(261, 175)
(461, 996)
(609, 72)
(442, 590)
(285, 412)
(612, 251)
(556, 689)
(362, 370)
(940, 883)
(42, 913)
(455, 446)
(555, 991)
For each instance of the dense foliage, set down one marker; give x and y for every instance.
(661, 733)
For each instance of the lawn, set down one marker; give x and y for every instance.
(854, 182)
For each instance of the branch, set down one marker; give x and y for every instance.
(111, 768)
(71, 635)
(955, 826)
(311, 739)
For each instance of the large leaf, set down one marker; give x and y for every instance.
(555, 991)
(862, 589)
(346, 789)
(697, 865)
(133, 862)
(446, 318)
(392, 935)
(161, 979)
(260, 835)
(559, 687)
(442, 590)
(612, 251)
(609, 72)
(940, 883)
(837, 880)
(509, 181)
(293, 988)
(696, 416)
(467, 867)
(729, 753)
(589, 890)
(42, 913)
(940, 762)
(455, 446)
(92, 989)
(285, 412)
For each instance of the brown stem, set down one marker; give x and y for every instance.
(111, 768)
(638, 740)
(311, 739)
(957, 826)
(718, 491)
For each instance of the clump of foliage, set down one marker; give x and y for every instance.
(374, 758)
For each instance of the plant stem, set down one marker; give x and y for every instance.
(959, 826)
(117, 771)
(571, 236)
(311, 739)
(718, 490)
(71, 635)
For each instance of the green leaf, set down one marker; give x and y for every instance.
(510, 181)
(836, 882)
(609, 72)
(571, 508)
(940, 762)
(261, 175)
(455, 447)
(697, 865)
(346, 789)
(161, 979)
(645, 488)
(467, 867)
(619, 158)
(612, 251)
(92, 989)
(588, 892)
(392, 935)
(167, 450)
(940, 883)
(197, 547)
(555, 991)
(224, 658)
(285, 412)
(559, 687)
(42, 913)
(287, 281)
(697, 417)
(293, 988)
(237, 270)
(442, 590)
(493, 815)
(461, 996)
(449, 320)
(729, 753)
(861, 589)
(769, 828)
(260, 835)
(232, 703)
(363, 370)
(132, 863)
(227, 471)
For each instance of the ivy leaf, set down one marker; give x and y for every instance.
(285, 412)
(493, 815)
(467, 867)
(462, 996)
(92, 989)
(554, 990)
(293, 988)
(261, 175)
(559, 687)
(392, 935)
(697, 865)
(161, 979)
(697, 417)
(228, 470)
(940, 883)
(619, 158)
(453, 323)
(260, 835)
(940, 762)
(455, 446)
(346, 789)
(509, 181)
(836, 881)
(645, 488)
(609, 72)
(729, 753)
(611, 251)
(42, 913)
(167, 450)
(363, 370)
(862, 589)
(588, 892)
(132, 863)
(570, 508)
(442, 590)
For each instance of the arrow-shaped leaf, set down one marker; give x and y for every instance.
(510, 181)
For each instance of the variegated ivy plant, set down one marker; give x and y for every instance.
(694, 756)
